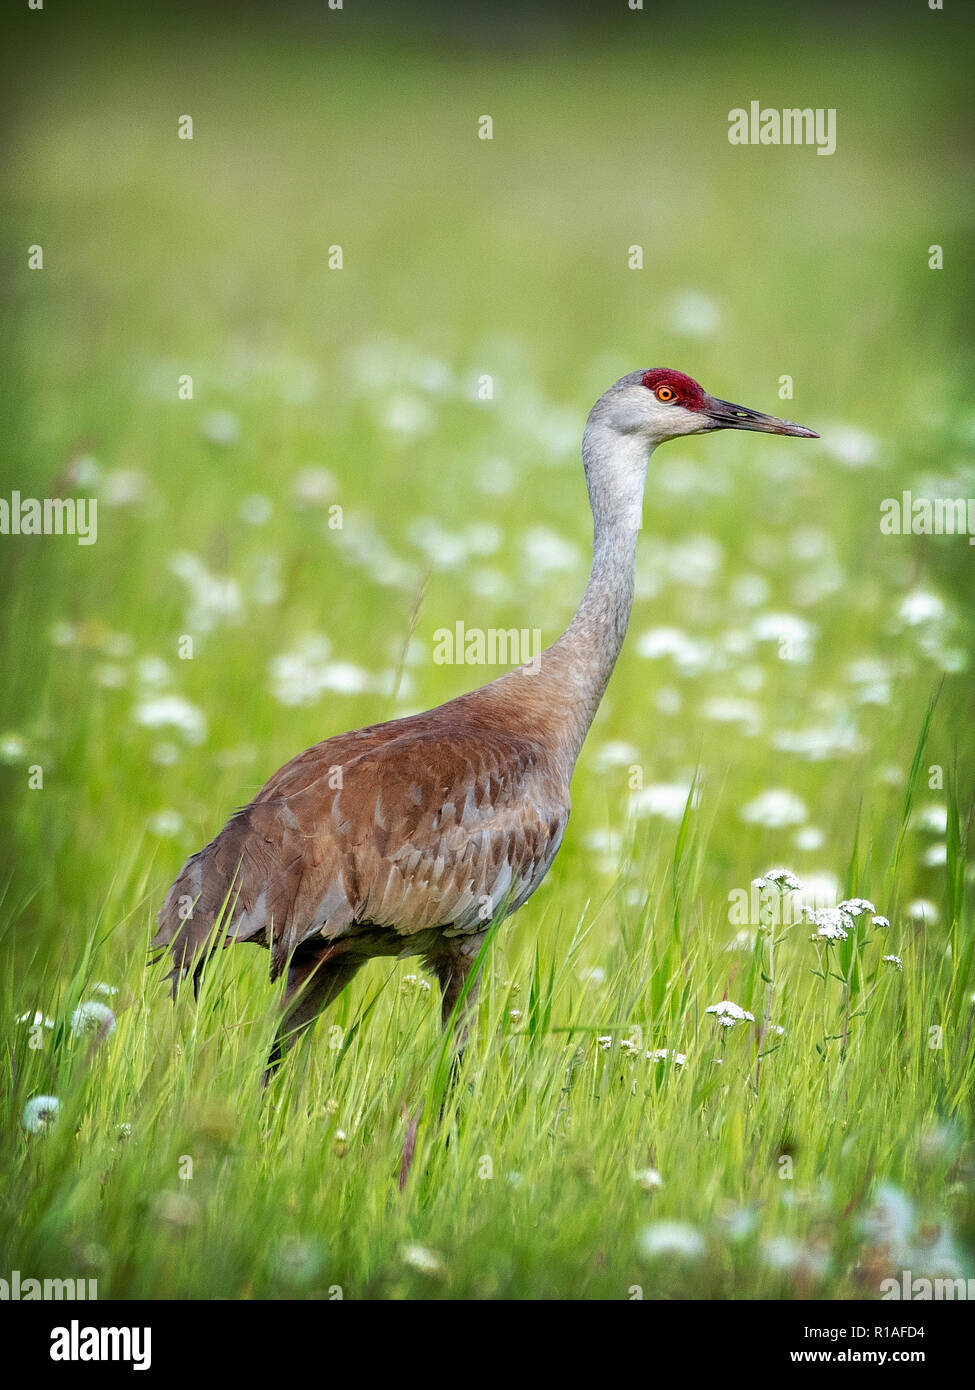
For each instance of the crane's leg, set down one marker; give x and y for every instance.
(451, 962)
(314, 980)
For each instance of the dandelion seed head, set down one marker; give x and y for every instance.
(39, 1113)
(422, 1259)
(93, 1017)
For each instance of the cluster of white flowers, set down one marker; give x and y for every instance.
(661, 1054)
(831, 923)
(783, 880)
(414, 984)
(894, 961)
(856, 907)
(728, 1014)
(836, 923)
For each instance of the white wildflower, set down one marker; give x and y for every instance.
(782, 879)
(809, 837)
(921, 606)
(850, 445)
(213, 598)
(165, 824)
(172, 711)
(692, 314)
(774, 809)
(593, 977)
(12, 748)
(615, 753)
(415, 982)
(728, 1014)
(932, 818)
(221, 427)
(831, 923)
(792, 635)
(894, 961)
(544, 552)
(690, 655)
(649, 1179)
(256, 509)
(660, 1054)
(667, 800)
(314, 486)
(671, 1238)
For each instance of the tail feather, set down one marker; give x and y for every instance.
(197, 906)
(240, 887)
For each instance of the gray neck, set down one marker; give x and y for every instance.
(582, 660)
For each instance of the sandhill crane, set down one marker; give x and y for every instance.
(407, 838)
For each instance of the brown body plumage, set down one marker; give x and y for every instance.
(409, 837)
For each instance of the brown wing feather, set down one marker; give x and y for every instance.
(438, 819)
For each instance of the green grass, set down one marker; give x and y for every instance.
(505, 258)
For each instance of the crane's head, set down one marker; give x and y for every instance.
(658, 403)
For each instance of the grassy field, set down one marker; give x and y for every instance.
(796, 688)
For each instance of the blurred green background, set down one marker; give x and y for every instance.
(358, 387)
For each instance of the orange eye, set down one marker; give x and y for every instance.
(664, 393)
